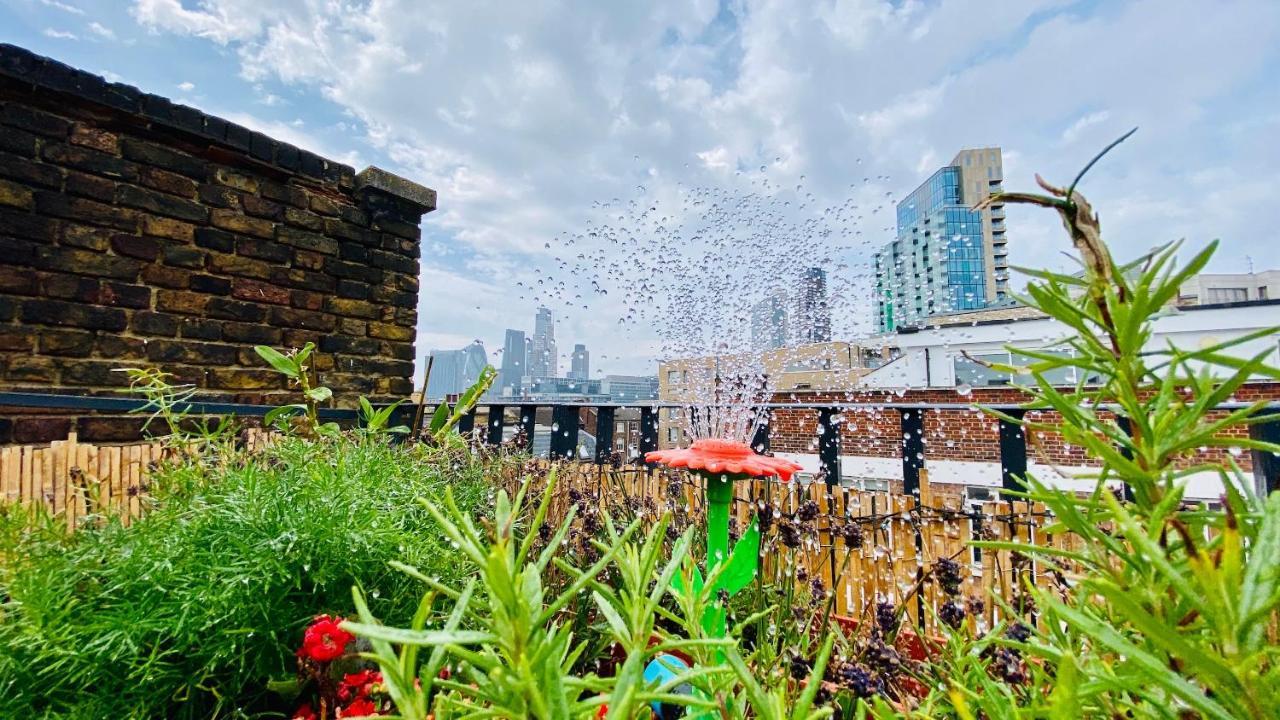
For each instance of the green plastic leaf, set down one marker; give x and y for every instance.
(741, 568)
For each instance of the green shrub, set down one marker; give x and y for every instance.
(191, 610)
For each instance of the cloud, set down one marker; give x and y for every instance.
(59, 34)
(186, 86)
(221, 22)
(1087, 121)
(102, 31)
(531, 121)
(62, 6)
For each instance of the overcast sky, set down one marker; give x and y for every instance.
(535, 120)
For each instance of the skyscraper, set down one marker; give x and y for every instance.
(946, 257)
(543, 362)
(515, 358)
(769, 322)
(813, 313)
(453, 371)
(580, 364)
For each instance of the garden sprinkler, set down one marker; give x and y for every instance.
(720, 463)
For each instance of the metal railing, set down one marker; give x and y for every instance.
(566, 425)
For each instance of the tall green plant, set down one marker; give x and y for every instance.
(445, 419)
(293, 365)
(1171, 610)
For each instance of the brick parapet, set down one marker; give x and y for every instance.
(138, 232)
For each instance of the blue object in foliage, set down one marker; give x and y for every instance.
(661, 669)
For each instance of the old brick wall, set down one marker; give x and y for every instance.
(136, 232)
(954, 433)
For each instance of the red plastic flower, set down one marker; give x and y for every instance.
(324, 641)
(304, 712)
(724, 456)
(360, 707)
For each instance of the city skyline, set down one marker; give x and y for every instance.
(707, 94)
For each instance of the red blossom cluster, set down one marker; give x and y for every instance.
(324, 641)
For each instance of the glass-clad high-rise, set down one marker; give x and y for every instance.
(947, 257)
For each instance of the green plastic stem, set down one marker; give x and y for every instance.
(719, 497)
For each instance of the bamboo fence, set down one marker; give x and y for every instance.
(901, 539)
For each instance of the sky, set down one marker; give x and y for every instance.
(700, 149)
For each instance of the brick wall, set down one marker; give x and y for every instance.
(952, 434)
(136, 232)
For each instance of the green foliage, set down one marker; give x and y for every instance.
(190, 611)
(375, 421)
(168, 403)
(444, 419)
(516, 656)
(1174, 609)
(293, 365)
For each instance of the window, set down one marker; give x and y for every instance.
(1226, 295)
(1262, 292)
(674, 377)
(673, 435)
(974, 497)
(975, 374)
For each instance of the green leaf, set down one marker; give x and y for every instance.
(319, 394)
(278, 361)
(1149, 665)
(274, 415)
(438, 418)
(1261, 579)
(423, 638)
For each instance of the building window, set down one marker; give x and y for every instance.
(975, 373)
(673, 435)
(1262, 292)
(1226, 295)
(674, 377)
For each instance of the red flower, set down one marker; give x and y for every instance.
(304, 712)
(360, 707)
(361, 681)
(324, 641)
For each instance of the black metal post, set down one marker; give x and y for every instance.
(1127, 429)
(604, 434)
(1266, 466)
(497, 421)
(1013, 453)
(760, 440)
(648, 430)
(912, 449)
(564, 432)
(829, 445)
(467, 422)
(528, 423)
